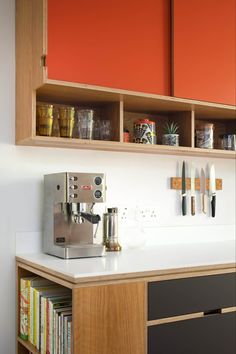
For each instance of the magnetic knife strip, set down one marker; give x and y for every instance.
(176, 183)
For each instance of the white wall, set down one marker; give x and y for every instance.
(132, 179)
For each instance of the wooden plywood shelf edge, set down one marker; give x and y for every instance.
(28, 346)
(124, 147)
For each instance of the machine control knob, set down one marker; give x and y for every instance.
(73, 186)
(97, 194)
(73, 195)
(98, 180)
(73, 178)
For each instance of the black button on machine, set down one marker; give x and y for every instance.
(98, 181)
(97, 194)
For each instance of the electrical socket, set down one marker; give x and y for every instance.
(146, 214)
(123, 213)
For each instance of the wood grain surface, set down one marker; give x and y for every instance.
(110, 319)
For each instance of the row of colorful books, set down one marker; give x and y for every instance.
(46, 315)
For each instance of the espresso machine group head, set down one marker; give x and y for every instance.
(69, 221)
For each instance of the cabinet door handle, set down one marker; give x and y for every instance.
(213, 312)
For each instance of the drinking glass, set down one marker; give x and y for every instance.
(105, 129)
(85, 123)
(44, 119)
(66, 121)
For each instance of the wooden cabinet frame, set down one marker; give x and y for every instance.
(122, 106)
(110, 313)
(108, 318)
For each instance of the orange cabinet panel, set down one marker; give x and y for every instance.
(204, 49)
(120, 44)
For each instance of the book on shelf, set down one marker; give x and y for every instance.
(39, 311)
(69, 336)
(67, 319)
(58, 330)
(47, 330)
(45, 315)
(53, 304)
(25, 321)
(64, 320)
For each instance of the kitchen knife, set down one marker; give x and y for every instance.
(203, 191)
(192, 184)
(184, 196)
(213, 191)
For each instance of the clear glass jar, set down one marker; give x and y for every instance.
(228, 141)
(205, 136)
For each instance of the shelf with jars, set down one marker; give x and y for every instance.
(84, 109)
(112, 112)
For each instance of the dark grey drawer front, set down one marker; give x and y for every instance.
(215, 334)
(182, 296)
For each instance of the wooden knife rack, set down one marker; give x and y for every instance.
(176, 183)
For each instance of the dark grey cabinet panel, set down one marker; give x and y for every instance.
(214, 334)
(182, 296)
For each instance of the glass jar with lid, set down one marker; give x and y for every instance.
(205, 136)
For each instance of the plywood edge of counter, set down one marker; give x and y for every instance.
(163, 274)
(45, 272)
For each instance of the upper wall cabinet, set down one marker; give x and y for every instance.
(112, 57)
(204, 49)
(119, 44)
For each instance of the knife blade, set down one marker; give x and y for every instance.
(203, 191)
(184, 196)
(192, 185)
(213, 191)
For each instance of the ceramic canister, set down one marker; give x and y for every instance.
(144, 131)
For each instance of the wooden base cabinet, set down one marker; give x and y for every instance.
(106, 319)
(109, 319)
(192, 315)
(193, 311)
(213, 334)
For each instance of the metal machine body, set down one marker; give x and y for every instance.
(69, 222)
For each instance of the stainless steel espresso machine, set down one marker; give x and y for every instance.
(69, 221)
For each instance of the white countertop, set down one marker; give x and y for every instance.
(136, 262)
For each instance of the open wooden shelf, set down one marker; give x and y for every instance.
(123, 108)
(28, 346)
(55, 142)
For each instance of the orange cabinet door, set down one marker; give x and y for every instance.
(121, 43)
(204, 50)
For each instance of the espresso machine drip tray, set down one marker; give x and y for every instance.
(81, 251)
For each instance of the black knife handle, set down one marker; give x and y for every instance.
(213, 206)
(184, 205)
